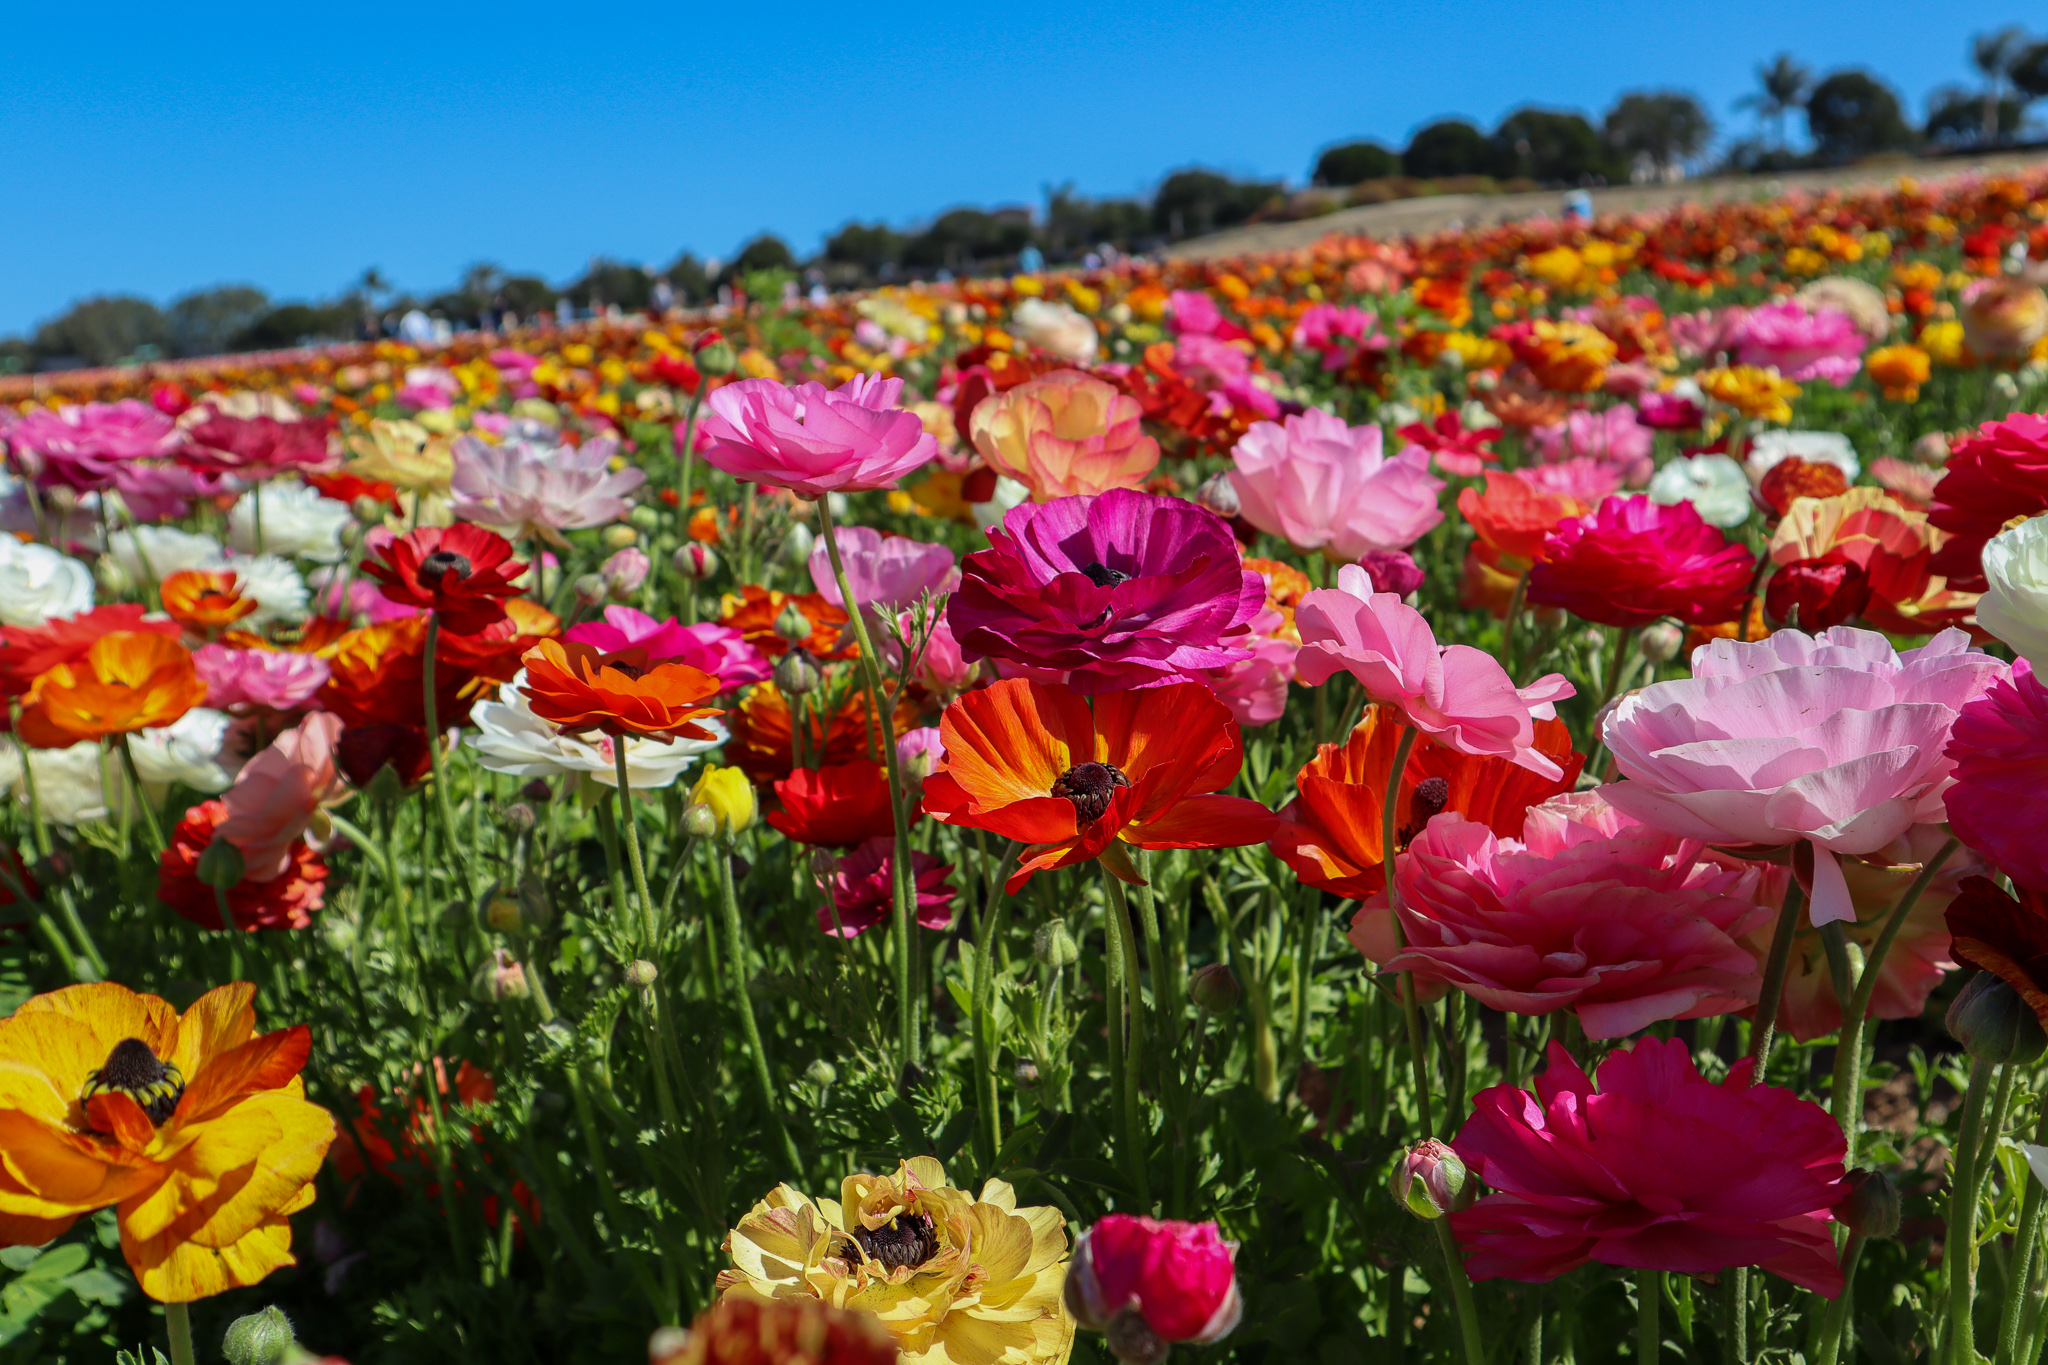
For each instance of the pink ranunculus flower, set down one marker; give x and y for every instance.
(162, 492)
(721, 651)
(887, 573)
(277, 791)
(1670, 411)
(623, 571)
(1659, 1169)
(1338, 334)
(1707, 333)
(1580, 477)
(82, 446)
(1317, 483)
(1218, 366)
(1180, 1278)
(1833, 740)
(520, 489)
(1999, 747)
(1589, 911)
(1613, 439)
(1825, 343)
(1255, 689)
(1193, 312)
(279, 679)
(1459, 694)
(813, 440)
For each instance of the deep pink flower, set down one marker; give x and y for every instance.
(1459, 449)
(155, 492)
(1393, 571)
(718, 650)
(1193, 312)
(1589, 911)
(253, 448)
(1707, 333)
(862, 889)
(1181, 1278)
(1317, 483)
(1833, 739)
(277, 678)
(885, 572)
(1662, 411)
(1823, 344)
(813, 440)
(1612, 439)
(1999, 803)
(1459, 694)
(1657, 1170)
(1630, 561)
(1338, 334)
(82, 446)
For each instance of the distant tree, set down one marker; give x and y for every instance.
(1955, 117)
(1351, 162)
(867, 248)
(610, 282)
(689, 279)
(2029, 74)
(207, 321)
(1663, 127)
(526, 295)
(765, 252)
(102, 330)
(1193, 202)
(1075, 226)
(1445, 148)
(1993, 54)
(1552, 146)
(1784, 85)
(1852, 114)
(297, 324)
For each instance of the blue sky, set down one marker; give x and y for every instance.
(160, 149)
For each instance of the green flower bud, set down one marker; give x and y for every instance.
(700, 821)
(797, 674)
(1214, 989)
(619, 535)
(793, 625)
(221, 866)
(718, 358)
(640, 973)
(1430, 1180)
(1994, 1024)
(1871, 1206)
(1053, 946)
(821, 1072)
(264, 1338)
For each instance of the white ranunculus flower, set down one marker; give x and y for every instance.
(2015, 602)
(1009, 493)
(1714, 484)
(67, 782)
(153, 553)
(37, 584)
(1768, 448)
(511, 739)
(297, 522)
(185, 751)
(1055, 327)
(272, 583)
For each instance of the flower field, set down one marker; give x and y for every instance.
(1471, 799)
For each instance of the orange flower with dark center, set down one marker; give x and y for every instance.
(753, 612)
(1330, 834)
(579, 688)
(204, 600)
(833, 734)
(126, 681)
(1032, 763)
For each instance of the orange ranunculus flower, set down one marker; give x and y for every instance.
(1032, 763)
(1792, 478)
(1892, 543)
(1751, 391)
(753, 610)
(204, 600)
(761, 731)
(1518, 401)
(1064, 433)
(1330, 833)
(196, 1129)
(1512, 518)
(127, 681)
(579, 688)
(377, 677)
(1567, 357)
(1899, 370)
(1446, 297)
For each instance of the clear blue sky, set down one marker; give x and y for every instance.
(156, 149)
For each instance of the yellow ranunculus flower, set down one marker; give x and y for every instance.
(1943, 342)
(957, 1279)
(729, 796)
(1751, 390)
(404, 454)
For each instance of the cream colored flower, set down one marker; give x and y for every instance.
(404, 454)
(958, 1280)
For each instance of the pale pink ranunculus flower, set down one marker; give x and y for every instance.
(1802, 344)
(1612, 439)
(1459, 694)
(521, 489)
(813, 440)
(1580, 477)
(276, 678)
(277, 792)
(1834, 740)
(625, 570)
(885, 572)
(1622, 924)
(1338, 334)
(1707, 333)
(1255, 689)
(1317, 483)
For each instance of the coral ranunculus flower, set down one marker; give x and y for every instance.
(835, 806)
(1659, 1170)
(1064, 433)
(1031, 763)
(376, 676)
(462, 573)
(124, 682)
(284, 901)
(1891, 543)
(194, 1128)
(762, 731)
(753, 612)
(204, 599)
(1513, 517)
(1631, 561)
(579, 688)
(747, 1331)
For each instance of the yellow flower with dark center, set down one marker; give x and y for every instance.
(957, 1279)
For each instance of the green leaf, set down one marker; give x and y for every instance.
(95, 1285)
(909, 1128)
(58, 1262)
(955, 1133)
(19, 1258)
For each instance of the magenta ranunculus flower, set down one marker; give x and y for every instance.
(1119, 590)
(1319, 484)
(253, 448)
(814, 440)
(1825, 343)
(1589, 911)
(1999, 746)
(277, 678)
(1659, 1169)
(521, 489)
(1631, 561)
(1835, 740)
(1613, 439)
(718, 650)
(1179, 1279)
(82, 446)
(861, 889)
(885, 572)
(1338, 334)
(1459, 694)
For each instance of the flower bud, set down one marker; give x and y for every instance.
(536, 907)
(1214, 989)
(501, 914)
(1133, 1342)
(1219, 495)
(1871, 1208)
(700, 822)
(1430, 1180)
(538, 790)
(1994, 1024)
(369, 511)
(625, 571)
(821, 1072)
(500, 978)
(619, 535)
(264, 1338)
(696, 562)
(640, 973)
(918, 755)
(591, 589)
(718, 358)
(796, 545)
(518, 817)
(1146, 1283)
(221, 865)
(1660, 642)
(645, 517)
(824, 863)
(797, 674)
(727, 794)
(1053, 946)
(793, 625)
(1026, 1072)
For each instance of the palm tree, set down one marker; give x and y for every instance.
(1784, 84)
(1993, 54)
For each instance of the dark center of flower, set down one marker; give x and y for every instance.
(908, 1239)
(1102, 576)
(1089, 786)
(440, 564)
(133, 1070)
(1431, 795)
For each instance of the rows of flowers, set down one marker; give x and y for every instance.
(1476, 798)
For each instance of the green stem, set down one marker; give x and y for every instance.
(1119, 921)
(1765, 1030)
(650, 932)
(1649, 1302)
(150, 821)
(1411, 1008)
(443, 810)
(1844, 1304)
(686, 458)
(736, 953)
(1959, 1246)
(178, 1326)
(1461, 1292)
(2025, 1245)
(993, 909)
(1735, 1308)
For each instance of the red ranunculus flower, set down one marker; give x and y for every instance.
(462, 572)
(1631, 561)
(286, 901)
(1824, 592)
(836, 806)
(363, 751)
(1992, 477)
